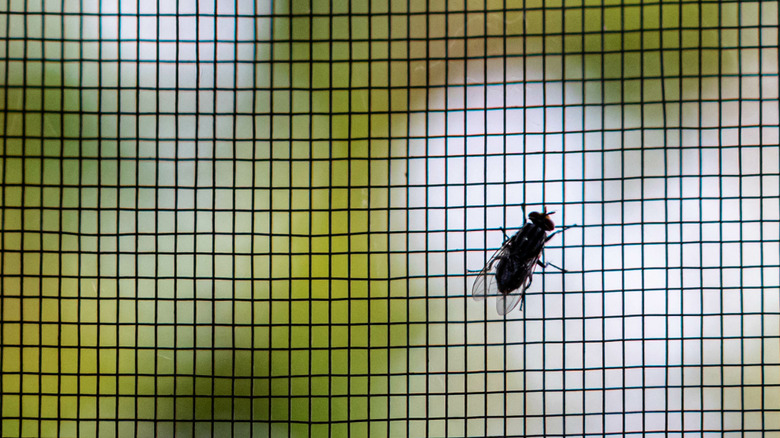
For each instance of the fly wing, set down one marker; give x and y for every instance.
(506, 303)
(485, 284)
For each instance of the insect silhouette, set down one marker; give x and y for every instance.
(509, 271)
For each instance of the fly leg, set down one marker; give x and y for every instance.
(525, 288)
(487, 268)
(522, 301)
(546, 264)
(559, 230)
(543, 266)
(503, 230)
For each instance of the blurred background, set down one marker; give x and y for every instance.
(240, 218)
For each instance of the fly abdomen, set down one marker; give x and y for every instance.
(508, 274)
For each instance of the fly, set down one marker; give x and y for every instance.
(509, 271)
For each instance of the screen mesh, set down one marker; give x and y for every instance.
(240, 218)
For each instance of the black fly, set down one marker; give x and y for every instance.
(509, 272)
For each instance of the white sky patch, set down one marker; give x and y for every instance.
(674, 216)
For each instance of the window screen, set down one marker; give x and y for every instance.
(264, 219)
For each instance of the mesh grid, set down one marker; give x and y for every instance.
(241, 218)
